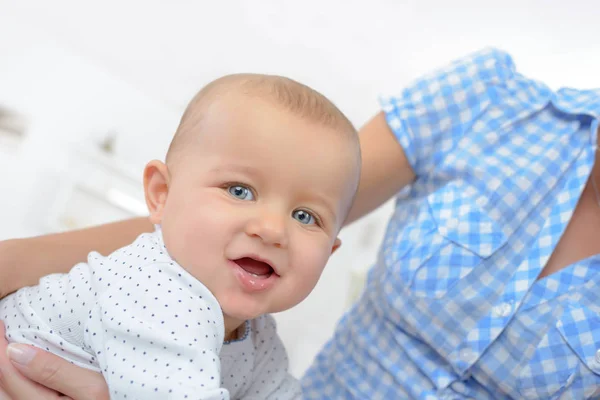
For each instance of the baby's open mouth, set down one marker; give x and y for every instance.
(254, 267)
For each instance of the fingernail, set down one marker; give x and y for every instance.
(21, 354)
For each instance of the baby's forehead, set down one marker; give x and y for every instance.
(252, 115)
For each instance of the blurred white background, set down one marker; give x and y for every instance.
(75, 73)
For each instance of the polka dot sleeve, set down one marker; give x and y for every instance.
(158, 336)
(152, 329)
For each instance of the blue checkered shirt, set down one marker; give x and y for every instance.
(453, 308)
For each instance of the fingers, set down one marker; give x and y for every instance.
(53, 372)
(15, 386)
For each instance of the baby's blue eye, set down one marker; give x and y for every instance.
(240, 192)
(304, 217)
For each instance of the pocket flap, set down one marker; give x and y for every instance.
(459, 218)
(580, 328)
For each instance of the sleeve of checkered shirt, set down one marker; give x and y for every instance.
(435, 112)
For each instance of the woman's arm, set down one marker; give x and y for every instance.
(24, 261)
(385, 168)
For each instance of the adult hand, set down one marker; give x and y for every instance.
(28, 373)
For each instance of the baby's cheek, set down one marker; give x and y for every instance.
(190, 237)
(311, 271)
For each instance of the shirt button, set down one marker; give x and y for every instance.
(452, 223)
(598, 356)
(575, 297)
(468, 356)
(502, 310)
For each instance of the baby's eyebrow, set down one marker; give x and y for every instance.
(245, 169)
(324, 202)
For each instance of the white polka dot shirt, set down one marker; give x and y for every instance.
(151, 328)
(256, 366)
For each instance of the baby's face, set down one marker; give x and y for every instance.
(255, 205)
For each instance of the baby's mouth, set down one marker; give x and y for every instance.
(254, 267)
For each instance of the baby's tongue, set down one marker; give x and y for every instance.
(253, 266)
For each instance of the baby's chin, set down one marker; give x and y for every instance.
(244, 309)
(243, 313)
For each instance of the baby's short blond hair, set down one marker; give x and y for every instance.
(289, 94)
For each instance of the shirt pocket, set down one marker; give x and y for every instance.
(455, 236)
(566, 363)
(580, 329)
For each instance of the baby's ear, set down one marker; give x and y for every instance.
(156, 189)
(336, 245)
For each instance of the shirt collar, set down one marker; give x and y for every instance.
(578, 102)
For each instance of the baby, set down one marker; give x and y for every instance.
(258, 180)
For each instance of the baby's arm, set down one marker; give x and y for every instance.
(271, 379)
(156, 335)
(24, 261)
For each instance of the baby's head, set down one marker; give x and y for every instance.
(259, 178)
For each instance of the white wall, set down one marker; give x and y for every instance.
(66, 100)
(77, 70)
